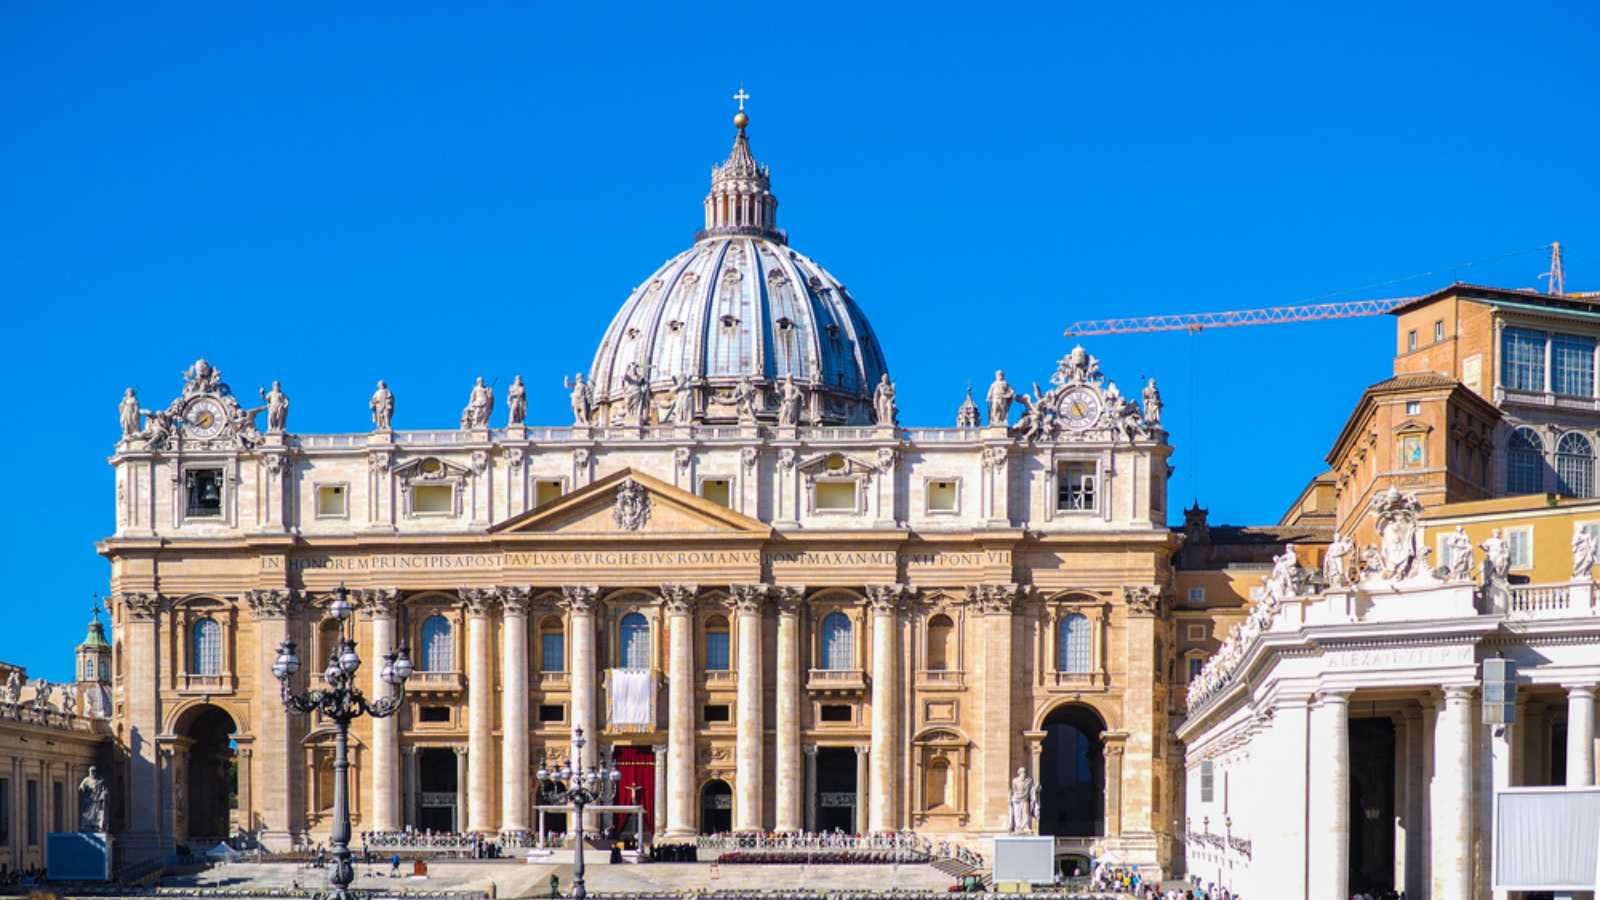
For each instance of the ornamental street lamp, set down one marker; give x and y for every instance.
(579, 788)
(342, 702)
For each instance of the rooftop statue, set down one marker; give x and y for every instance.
(582, 399)
(1000, 396)
(277, 408)
(516, 402)
(382, 406)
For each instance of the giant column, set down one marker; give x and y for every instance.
(678, 599)
(747, 599)
(514, 809)
(1330, 797)
(379, 604)
(1580, 735)
(883, 807)
(139, 660)
(996, 604)
(579, 600)
(276, 750)
(789, 780)
(480, 604)
(1451, 859)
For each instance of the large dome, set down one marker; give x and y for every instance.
(739, 304)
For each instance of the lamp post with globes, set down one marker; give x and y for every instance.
(341, 702)
(580, 788)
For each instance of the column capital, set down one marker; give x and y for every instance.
(379, 603)
(272, 603)
(1579, 690)
(787, 598)
(995, 599)
(658, 749)
(747, 597)
(461, 753)
(1459, 693)
(514, 600)
(1142, 599)
(886, 599)
(579, 599)
(678, 599)
(479, 601)
(810, 750)
(1335, 696)
(144, 607)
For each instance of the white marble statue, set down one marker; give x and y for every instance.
(1152, 403)
(480, 405)
(788, 402)
(582, 399)
(636, 387)
(93, 796)
(128, 413)
(43, 691)
(13, 688)
(1583, 555)
(1459, 546)
(1400, 543)
(745, 400)
(677, 406)
(382, 406)
(883, 406)
(1337, 561)
(1285, 574)
(1496, 558)
(277, 408)
(1024, 802)
(1000, 397)
(516, 402)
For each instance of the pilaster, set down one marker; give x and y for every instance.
(996, 605)
(277, 749)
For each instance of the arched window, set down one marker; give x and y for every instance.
(1072, 644)
(941, 643)
(438, 650)
(207, 657)
(838, 650)
(552, 646)
(635, 642)
(1524, 462)
(717, 656)
(1575, 465)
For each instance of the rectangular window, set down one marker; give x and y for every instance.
(552, 652)
(203, 493)
(942, 496)
(1438, 331)
(1520, 543)
(546, 490)
(718, 491)
(552, 712)
(836, 496)
(1411, 339)
(33, 813)
(1207, 783)
(58, 809)
(434, 714)
(330, 501)
(1572, 365)
(716, 712)
(1413, 407)
(1075, 490)
(1197, 595)
(1522, 359)
(834, 713)
(1195, 665)
(717, 651)
(433, 499)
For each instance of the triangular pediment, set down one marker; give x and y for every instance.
(628, 504)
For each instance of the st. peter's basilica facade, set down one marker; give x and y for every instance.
(777, 608)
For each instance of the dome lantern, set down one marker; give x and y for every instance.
(741, 201)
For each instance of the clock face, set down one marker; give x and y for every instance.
(204, 418)
(1079, 408)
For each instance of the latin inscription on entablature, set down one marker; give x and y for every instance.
(1401, 657)
(831, 559)
(521, 559)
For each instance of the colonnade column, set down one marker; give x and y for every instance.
(276, 749)
(1329, 856)
(883, 807)
(463, 801)
(659, 823)
(380, 604)
(790, 784)
(747, 756)
(678, 600)
(811, 787)
(1451, 800)
(1580, 735)
(479, 604)
(514, 809)
(863, 803)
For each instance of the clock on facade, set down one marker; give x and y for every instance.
(204, 417)
(1079, 408)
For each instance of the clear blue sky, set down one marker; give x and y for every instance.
(329, 195)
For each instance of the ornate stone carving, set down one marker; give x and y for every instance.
(886, 599)
(579, 598)
(1583, 556)
(376, 602)
(678, 599)
(787, 598)
(887, 456)
(479, 601)
(994, 599)
(380, 461)
(271, 603)
(516, 401)
(1400, 545)
(786, 458)
(632, 508)
(747, 598)
(514, 457)
(382, 406)
(748, 456)
(480, 461)
(274, 462)
(480, 406)
(514, 600)
(682, 456)
(580, 457)
(1142, 600)
(995, 457)
(582, 399)
(141, 606)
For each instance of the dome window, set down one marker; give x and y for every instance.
(833, 330)
(729, 320)
(633, 334)
(785, 323)
(675, 326)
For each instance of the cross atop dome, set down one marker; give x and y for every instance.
(741, 200)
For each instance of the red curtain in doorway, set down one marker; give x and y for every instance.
(638, 785)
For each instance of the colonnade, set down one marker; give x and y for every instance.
(677, 786)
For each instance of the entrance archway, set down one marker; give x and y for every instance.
(1072, 774)
(436, 789)
(716, 807)
(211, 779)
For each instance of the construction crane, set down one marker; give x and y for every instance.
(1276, 315)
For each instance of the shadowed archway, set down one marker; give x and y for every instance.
(1072, 773)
